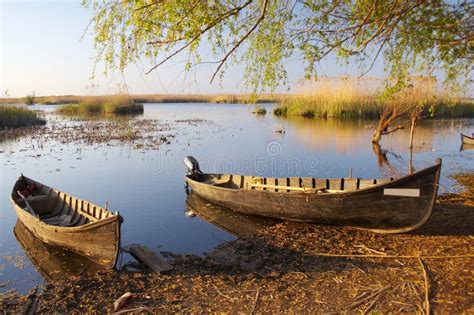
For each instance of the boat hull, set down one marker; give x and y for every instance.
(369, 208)
(53, 262)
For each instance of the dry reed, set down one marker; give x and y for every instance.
(352, 97)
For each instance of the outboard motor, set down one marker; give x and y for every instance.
(192, 165)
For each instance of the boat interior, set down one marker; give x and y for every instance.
(290, 184)
(55, 207)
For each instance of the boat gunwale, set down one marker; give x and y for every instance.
(84, 227)
(70, 229)
(466, 136)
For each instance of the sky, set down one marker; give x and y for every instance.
(43, 50)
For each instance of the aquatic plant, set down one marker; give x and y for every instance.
(119, 105)
(260, 110)
(18, 116)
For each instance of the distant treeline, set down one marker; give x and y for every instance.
(153, 98)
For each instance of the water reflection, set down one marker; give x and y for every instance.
(235, 223)
(348, 136)
(52, 262)
(466, 147)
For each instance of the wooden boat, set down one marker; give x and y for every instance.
(235, 223)
(382, 205)
(466, 139)
(59, 219)
(53, 262)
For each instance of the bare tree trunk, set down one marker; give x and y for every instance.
(414, 120)
(377, 135)
(412, 131)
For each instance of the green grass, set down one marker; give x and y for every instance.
(17, 116)
(102, 106)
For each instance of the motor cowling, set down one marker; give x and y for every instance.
(192, 166)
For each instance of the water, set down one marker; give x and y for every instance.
(147, 186)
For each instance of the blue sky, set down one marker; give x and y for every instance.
(42, 51)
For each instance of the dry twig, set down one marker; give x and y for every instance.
(222, 294)
(363, 300)
(427, 293)
(256, 301)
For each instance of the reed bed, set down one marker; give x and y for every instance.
(118, 105)
(346, 97)
(18, 116)
(154, 98)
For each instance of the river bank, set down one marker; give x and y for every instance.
(300, 268)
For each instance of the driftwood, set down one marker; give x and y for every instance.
(156, 262)
(121, 301)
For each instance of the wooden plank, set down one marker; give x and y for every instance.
(269, 181)
(27, 204)
(288, 188)
(405, 192)
(384, 181)
(247, 182)
(350, 184)
(308, 183)
(364, 183)
(237, 181)
(321, 183)
(153, 260)
(294, 182)
(335, 184)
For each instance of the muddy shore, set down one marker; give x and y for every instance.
(288, 267)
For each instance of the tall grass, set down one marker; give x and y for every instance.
(17, 116)
(118, 105)
(154, 98)
(347, 97)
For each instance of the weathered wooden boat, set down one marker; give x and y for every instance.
(235, 223)
(59, 219)
(51, 261)
(383, 205)
(466, 139)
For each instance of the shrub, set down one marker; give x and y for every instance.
(29, 99)
(260, 111)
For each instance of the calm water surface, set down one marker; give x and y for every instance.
(147, 186)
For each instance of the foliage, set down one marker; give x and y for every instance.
(18, 116)
(120, 105)
(29, 99)
(412, 36)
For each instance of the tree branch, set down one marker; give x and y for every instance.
(223, 60)
(197, 36)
